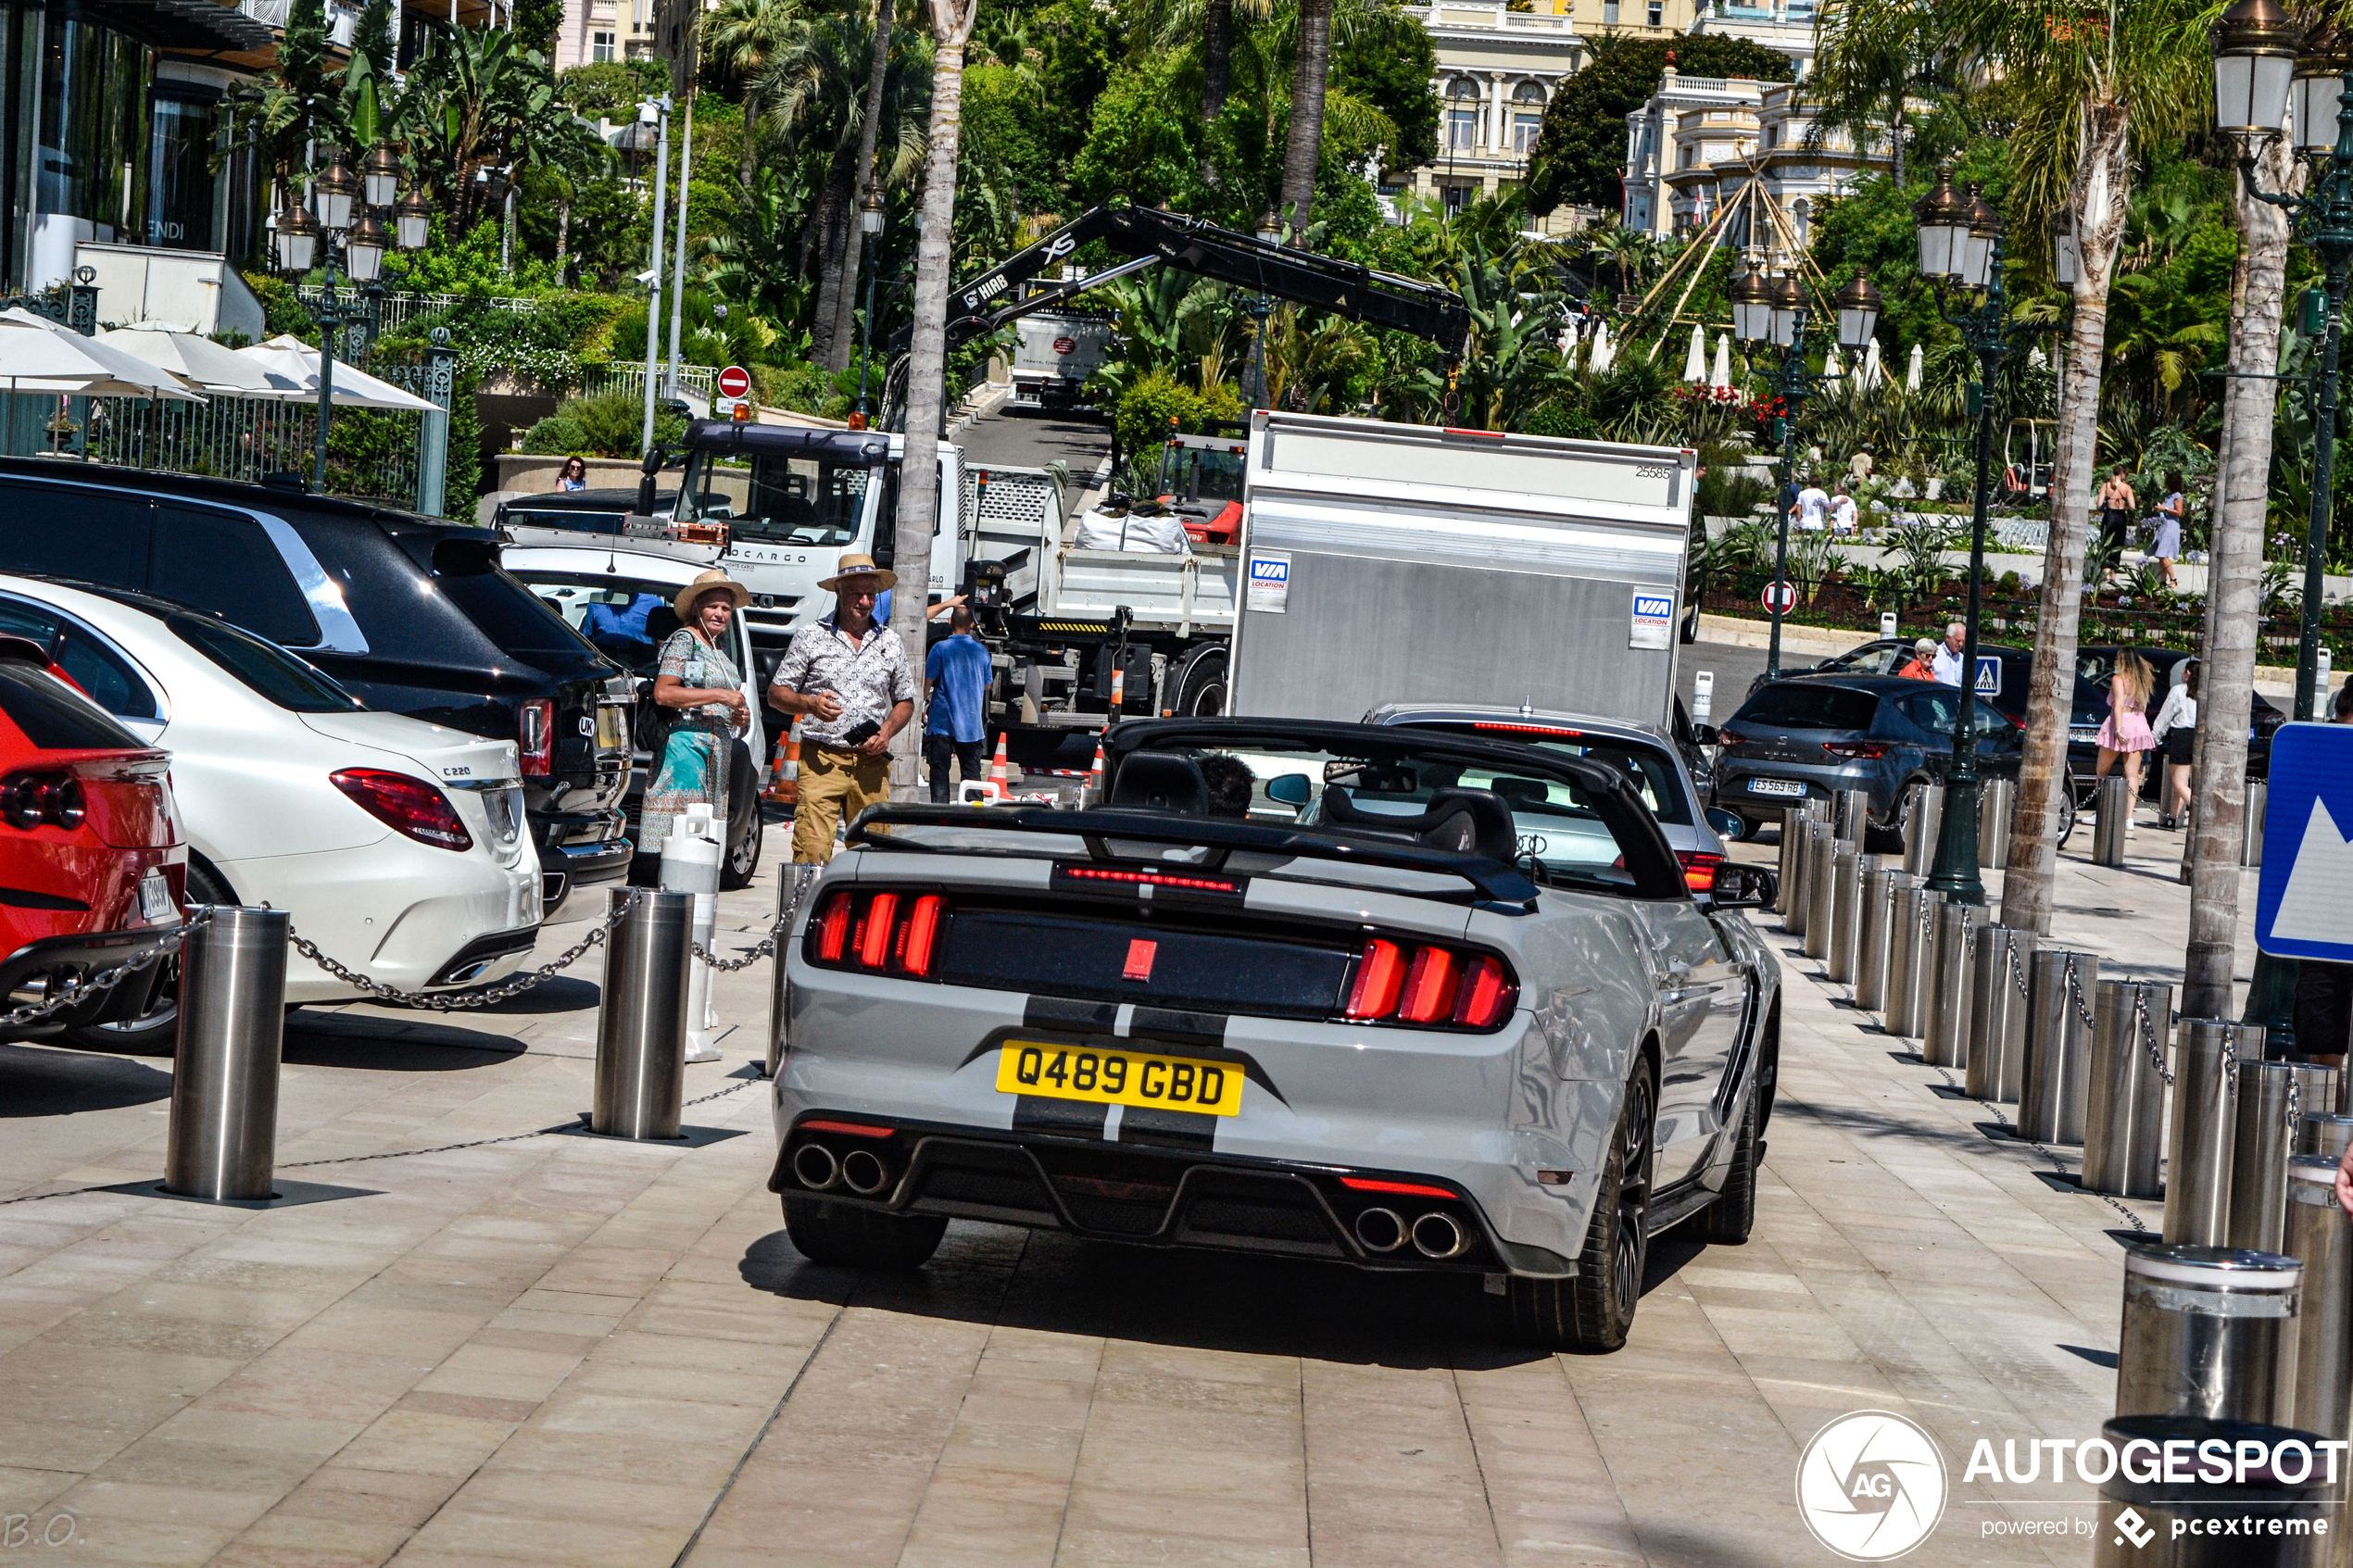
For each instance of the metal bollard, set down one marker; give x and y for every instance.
(641, 1024)
(2259, 797)
(1794, 821)
(1945, 999)
(2272, 1097)
(2315, 1391)
(690, 865)
(2059, 1046)
(1908, 939)
(2123, 1129)
(1878, 922)
(1997, 799)
(2203, 1330)
(1851, 814)
(2207, 1054)
(2192, 1522)
(2115, 816)
(792, 885)
(1821, 851)
(1999, 993)
(1927, 820)
(2328, 1133)
(223, 1138)
(1848, 868)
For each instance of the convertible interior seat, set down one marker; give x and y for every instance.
(1467, 821)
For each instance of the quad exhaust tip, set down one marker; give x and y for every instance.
(1380, 1230)
(814, 1164)
(1437, 1235)
(862, 1172)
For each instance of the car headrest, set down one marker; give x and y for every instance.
(22, 650)
(660, 622)
(1467, 821)
(1160, 781)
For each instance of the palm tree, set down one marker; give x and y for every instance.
(816, 86)
(2083, 90)
(952, 23)
(744, 35)
(1311, 67)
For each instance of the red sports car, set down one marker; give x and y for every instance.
(92, 861)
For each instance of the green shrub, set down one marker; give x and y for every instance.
(1157, 403)
(1556, 416)
(608, 426)
(557, 434)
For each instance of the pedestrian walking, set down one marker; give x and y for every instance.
(2125, 732)
(2175, 732)
(846, 676)
(2116, 505)
(574, 475)
(2169, 526)
(1842, 513)
(955, 719)
(700, 691)
(1922, 664)
(1948, 667)
(1812, 503)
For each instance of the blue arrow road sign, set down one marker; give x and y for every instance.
(2304, 904)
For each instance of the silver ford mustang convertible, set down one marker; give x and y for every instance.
(1399, 998)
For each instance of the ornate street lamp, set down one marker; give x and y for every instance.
(414, 220)
(2255, 61)
(1788, 310)
(1752, 306)
(1962, 237)
(297, 241)
(870, 224)
(380, 177)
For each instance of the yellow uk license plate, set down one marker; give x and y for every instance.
(1104, 1076)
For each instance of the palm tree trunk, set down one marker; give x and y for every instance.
(1216, 73)
(846, 307)
(833, 217)
(1305, 141)
(2102, 182)
(1895, 136)
(951, 22)
(752, 135)
(2234, 586)
(564, 236)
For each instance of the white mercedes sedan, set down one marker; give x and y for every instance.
(396, 845)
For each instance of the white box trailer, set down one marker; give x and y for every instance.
(1055, 354)
(1404, 563)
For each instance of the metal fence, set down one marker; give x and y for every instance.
(400, 307)
(603, 380)
(371, 454)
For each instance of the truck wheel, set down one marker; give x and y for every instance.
(1592, 1313)
(861, 1238)
(1201, 683)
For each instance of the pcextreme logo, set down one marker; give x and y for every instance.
(1870, 1486)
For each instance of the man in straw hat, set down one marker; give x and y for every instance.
(846, 675)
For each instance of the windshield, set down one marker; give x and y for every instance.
(626, 618)
(1190, 473)
(1938, 710)
(774, 498)
(275, 674)
(1653, 771)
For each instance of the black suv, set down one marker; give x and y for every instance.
(413, 615)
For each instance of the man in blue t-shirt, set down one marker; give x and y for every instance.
(957, 715)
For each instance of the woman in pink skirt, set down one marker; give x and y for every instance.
(2125, 732)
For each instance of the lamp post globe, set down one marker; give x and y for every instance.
(1788, 306)
(2255, 62)
(334, 192)
(380, 176)
(1943, 216)
(297, 240)
(1858, 307)
(414, 220)
(2313, 98)
(1752, 300)
(364, 253)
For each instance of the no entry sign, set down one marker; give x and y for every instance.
(735, 382)
(1779, 596)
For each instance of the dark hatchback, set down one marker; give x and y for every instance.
(412, 615)
(1810, 737)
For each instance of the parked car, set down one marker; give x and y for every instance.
(1647, 757)
(1813, 736)
(408, 615)
(92, 860)
(643, 585)
(1887, 656)
(397, 846)
(1463, 1016)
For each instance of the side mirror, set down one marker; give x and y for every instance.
(1727, 824)
(1291, 789)
(1704, 734)
(1739, 887)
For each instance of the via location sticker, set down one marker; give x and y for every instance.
(2304, 903)
(1654, 624)
(1269, 588)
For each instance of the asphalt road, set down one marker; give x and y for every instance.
(1032, 438)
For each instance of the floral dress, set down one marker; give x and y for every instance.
(693, 765)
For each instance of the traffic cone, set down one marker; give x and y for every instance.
(784, 771)
(1118, 691)
(997, 793)
(1095, 777)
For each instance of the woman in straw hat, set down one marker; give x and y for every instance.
(701, 685)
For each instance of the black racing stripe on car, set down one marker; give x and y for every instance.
(1035, 1113)
(1062, 1012)
(1166, 1129)
(1185, 1028)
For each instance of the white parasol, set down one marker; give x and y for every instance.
(192, 357)
(37, 354)
(292, 367)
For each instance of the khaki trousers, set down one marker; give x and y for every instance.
(835, 785)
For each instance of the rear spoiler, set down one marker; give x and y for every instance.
(1492, 879)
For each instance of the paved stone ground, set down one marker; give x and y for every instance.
(525, 1345)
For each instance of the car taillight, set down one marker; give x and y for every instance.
(1860, 750)
(1427, 983)
(1699, 869)
(885, 933)
(535, 737)
(29, 800)
(409, 806)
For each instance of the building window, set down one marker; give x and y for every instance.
(600, 47)
(1609, 13)
(182, 207)
(1657, 12)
